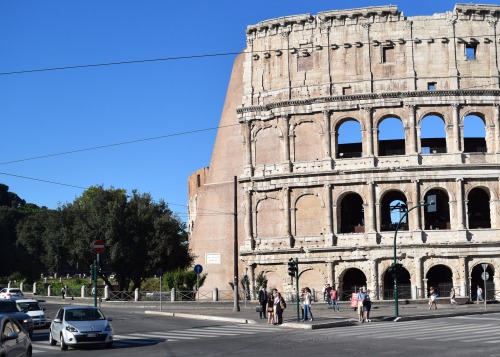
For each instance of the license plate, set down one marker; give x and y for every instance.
(92, 335)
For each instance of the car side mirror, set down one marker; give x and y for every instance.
(57, 321)
(109, 319)
(11, 336)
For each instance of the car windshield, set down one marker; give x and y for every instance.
(8, 306)
(29, 306)
(84, 315)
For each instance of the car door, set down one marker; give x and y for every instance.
(55, 328)
(12, 347)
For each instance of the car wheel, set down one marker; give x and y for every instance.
(108, 344)
(51, 339)
(64, 346)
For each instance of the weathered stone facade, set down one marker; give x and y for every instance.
(303, 193)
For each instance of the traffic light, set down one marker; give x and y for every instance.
(395, 270)
(292, 267)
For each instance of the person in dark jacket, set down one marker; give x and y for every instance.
(263, 301)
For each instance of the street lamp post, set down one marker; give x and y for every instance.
(431, 203)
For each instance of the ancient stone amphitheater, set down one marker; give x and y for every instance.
(335, 125)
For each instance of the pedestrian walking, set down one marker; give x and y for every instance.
(328, 290)
(479, 294)
(278, 309)
(64, 290)
(270, 309)
(367, 306)
(263, 301)
(360, 296)
(452, 297)
(432, 298)
(334, 299)
(307, 304)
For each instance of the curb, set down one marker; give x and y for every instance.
(201, 317)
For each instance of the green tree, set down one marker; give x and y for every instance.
(183, 280)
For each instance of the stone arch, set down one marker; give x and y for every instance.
(306, 140)
(478, 207)
(269, 217)
(348, 141)
(441, 218)
(476, 271)
(404, 284)
(313, 278)
(267, 145)
(307, 209)
(429, 142)
(440, 276)
(388, 210)
(350, 211)
(422, 114)
(474, 136)
(350, 280)
(391, 141)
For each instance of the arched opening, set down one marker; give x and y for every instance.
(440, 219)
(478, 209)
(352, 216)
(440, 277)
(349, 140)
(267, 146)
(477, 280)
(393, 208)
(432, 135)
(404, 285)
(304, 134)
(352, 281)
(474, 134)
(391, 140)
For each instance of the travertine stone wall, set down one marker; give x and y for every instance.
(302, 77)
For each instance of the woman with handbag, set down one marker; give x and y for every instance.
(270, 309)
(307, 304)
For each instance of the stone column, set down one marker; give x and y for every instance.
(460, 204)
(335, 146)
(456, 128)
(335, 218)
(463, 276)
(370, 218)
(412, 109)
(424, 292)
(496, 120)
(417, 213)
(330, 278)
(328, 138)
(249, 242)
(418, 278)
(248, 129)
(329, 216)
(288, 214)
(252, 281)
(368, 132)
(286, 134)
(373, 283)
(375, 141)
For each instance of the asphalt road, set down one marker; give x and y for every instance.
(138, 334)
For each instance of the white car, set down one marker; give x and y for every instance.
(80, 325)
(33, 309)
(11, 293)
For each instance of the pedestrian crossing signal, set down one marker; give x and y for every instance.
(292, 267)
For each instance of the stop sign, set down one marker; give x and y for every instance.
(98, 247)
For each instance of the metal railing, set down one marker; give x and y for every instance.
(121, 295)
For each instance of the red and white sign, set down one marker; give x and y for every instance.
(98, 247)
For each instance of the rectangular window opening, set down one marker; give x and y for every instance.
(470, 52)
(431, 86)
(198, 180)
(346, 91)
(388, 54)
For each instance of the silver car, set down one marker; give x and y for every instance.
(80, 325)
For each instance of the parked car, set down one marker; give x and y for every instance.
(14, 340)
(32, 308)
(9, 308)
(11, 293)
(80, 325)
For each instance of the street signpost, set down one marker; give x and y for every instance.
(160, 273)
(198, 269)
(98, 248)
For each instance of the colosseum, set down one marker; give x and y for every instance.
(334, 127)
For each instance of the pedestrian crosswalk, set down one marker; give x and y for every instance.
(150, 338)
(477, 329)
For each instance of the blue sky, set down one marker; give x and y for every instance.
(51, 112)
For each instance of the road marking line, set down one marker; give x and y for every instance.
(149, 337)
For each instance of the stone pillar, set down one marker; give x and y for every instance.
(373, 281)
(252, 282)
(368, 150)
(328, 138)
(370, 220)
(286, 134)
(248, 129)
(460, 204)
(424, 292)
(456, 128)
(329, 216)
(288, 216)
(82, 291)
(375, 141)
(416, 218)
(496, 120)
(418, 279)
(463, 276)
(335, 146)
(249, 242)
(34, 288)
(331, 278)
(413, 135)
(335, 218)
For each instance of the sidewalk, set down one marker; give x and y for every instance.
(324, 317)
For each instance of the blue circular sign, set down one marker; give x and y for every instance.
(198, 269)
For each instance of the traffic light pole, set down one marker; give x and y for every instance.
(396, 272)
(297, 286)
(94, 276)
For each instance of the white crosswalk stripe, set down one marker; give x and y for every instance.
(423, 330)
(147, 338)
